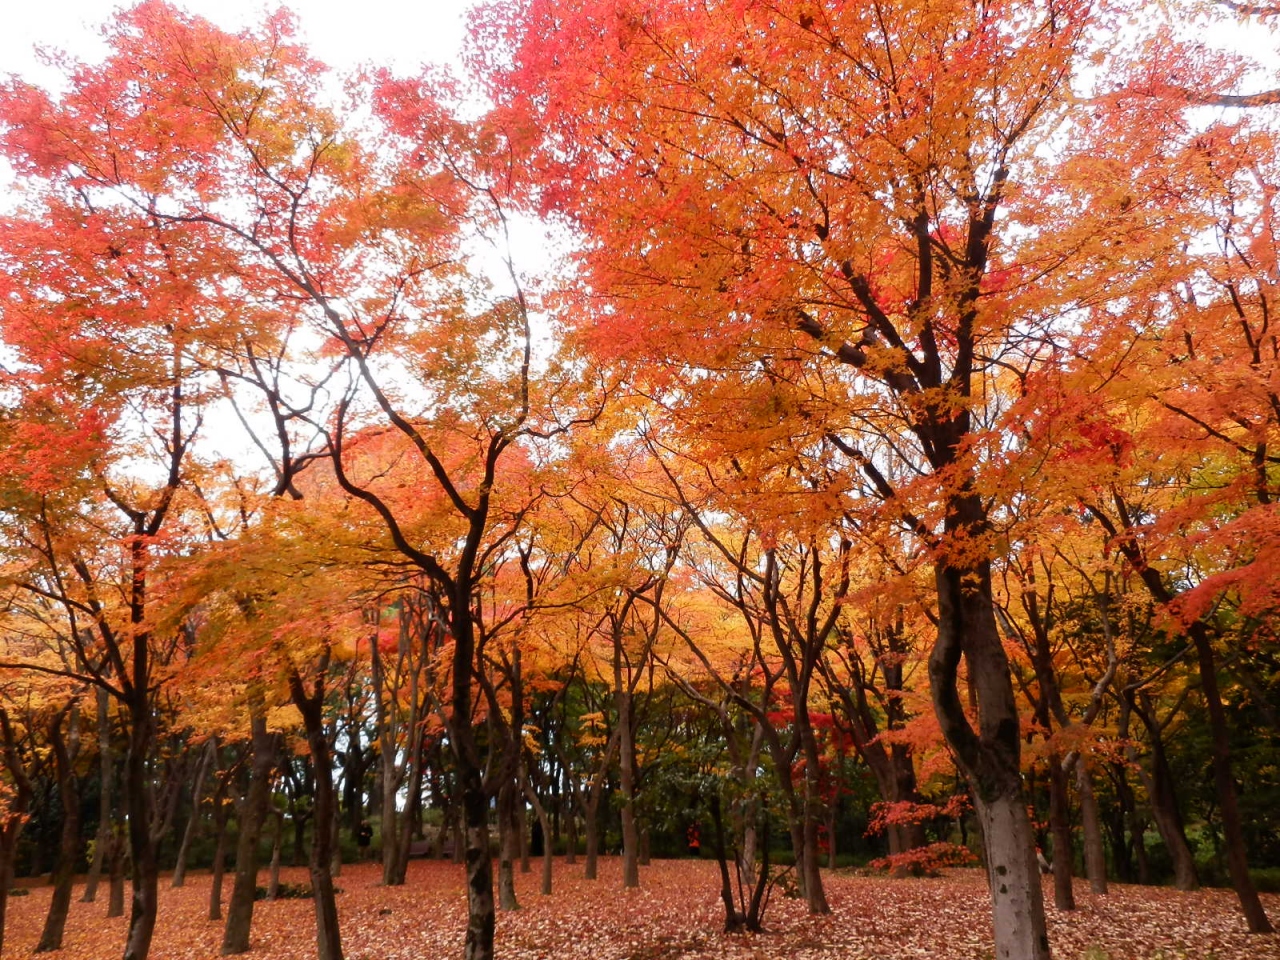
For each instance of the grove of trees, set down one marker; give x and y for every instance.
(887, 469)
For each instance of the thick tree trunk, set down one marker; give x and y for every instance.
(142, 846)
(252, 814)
(10, 828)
(1017, 905)
(989, 756)
(480, 907)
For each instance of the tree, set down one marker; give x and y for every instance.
(843, 188)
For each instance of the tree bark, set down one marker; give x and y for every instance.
(627, 776)
(207, 758)
(1095, 860)
(548, 846)
(989, 756)
(1164, 801)
(115, 869)
(311, 706)
(64, 755)
(252, 813)
(508, 845)
(219, 852)
(142, 845)
(1060, 823)
(106, 776)
(1232, 829)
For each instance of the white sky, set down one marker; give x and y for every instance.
(342, 33)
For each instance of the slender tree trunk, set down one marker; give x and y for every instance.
(627, 773)
(277, 844)
(206, 761)
(14, 814)
(571, 834)
(1164, 810)
(508, 846)
(69, 842)
(115, 870)
(1232, 830)
(311, 706)
(252, 813)
(813, 809)
(106, 775)
(219, 855)
(833, 809)
(1095, 860)
(548, 851)
(593, 836)
(1060, 824)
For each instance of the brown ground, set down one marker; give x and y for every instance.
(676, 915)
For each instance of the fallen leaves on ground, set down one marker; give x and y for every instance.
(675, 915)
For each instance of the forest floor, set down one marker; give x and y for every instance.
(675, 915)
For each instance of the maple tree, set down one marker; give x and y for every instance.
(915, 355)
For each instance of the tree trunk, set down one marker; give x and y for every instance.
(219, 853)
(548, 847)
(627, 776)
(277, 843)
(69, 842)
(989, 756)
(593, 837)
(1233, 834)
(142, 845)
(115, 870)
(833, 808)
(10, 828)
(1060, 824)
(1232, 831)
(252, 813)
(508, 846)
(571, 834)
(1095, 860)
(1164, 810)
(311, 706)
(1016, 898)
(106, 768)
(480, 910)
(206, 760)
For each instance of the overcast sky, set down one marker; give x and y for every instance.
(342, 33)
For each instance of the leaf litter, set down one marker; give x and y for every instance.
(675, 915)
